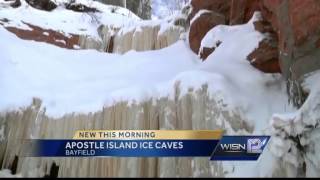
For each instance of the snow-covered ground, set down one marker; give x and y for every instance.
(70, 22)
(83, 81)
(67, 21)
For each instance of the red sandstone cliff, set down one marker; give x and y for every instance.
(293, 25)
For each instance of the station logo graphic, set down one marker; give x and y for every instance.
(255, 145)
(240, 148)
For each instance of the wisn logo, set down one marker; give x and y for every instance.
(233, 147)
(240, 147)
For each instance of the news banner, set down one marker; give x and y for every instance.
(150, 143)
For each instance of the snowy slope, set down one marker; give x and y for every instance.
(86, 24)
(67, 21)
(83, 80)
(53, 74)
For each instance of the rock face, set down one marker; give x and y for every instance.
(229, 12)
(46, 5)
(265, 57)
(293, 26)
(201, 25)
(44, 35)
(206, 52)
(15, 4)
(297, 26)
(218, 6)
(80, 7)
(242, 10)
(218, 13)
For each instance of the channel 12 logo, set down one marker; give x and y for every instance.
(240, 147)
(255, 145)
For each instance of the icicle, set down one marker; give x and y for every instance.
(194, 110)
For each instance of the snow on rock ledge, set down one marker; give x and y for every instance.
(221, 33)
(67, 21)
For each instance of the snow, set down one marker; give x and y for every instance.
(257, 90)
(301, 124)
(67, 21)
(6, 173)
(164, 8)
(309, 108)
(105, 8)
(85, 80)
(199, 13)
(223, 33)
(166, 26)
(45, 33)
(60, 41)
(82, 81)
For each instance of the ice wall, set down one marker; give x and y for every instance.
(296, 136)
(139, 38)
(195, 110)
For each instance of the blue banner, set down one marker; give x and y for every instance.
(123, 148)
(226, 148)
